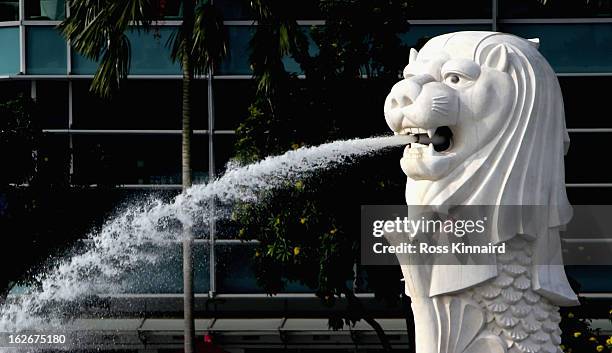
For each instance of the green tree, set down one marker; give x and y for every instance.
(314, 237)
(97, 29)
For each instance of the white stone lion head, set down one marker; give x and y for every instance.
(492, 107)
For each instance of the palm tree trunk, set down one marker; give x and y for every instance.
(188, 300)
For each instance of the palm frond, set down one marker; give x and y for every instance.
(208, 44)
(96, 29)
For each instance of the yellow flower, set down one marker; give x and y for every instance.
(302, 220)
(257, 253)
(610, 312)
(295, 146)
(570, 315)
(592, 339)
(577, 334)
(296, 251)
(609, 341)
(333, 231)
(599, 348)
(299, 185)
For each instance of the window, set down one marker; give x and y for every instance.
(232, 100)
(46, 51)
(139, 105)
(573, 48)
(151, 54)
(9, 55)
(554, 9)
(584, 106)
(428, 9)
(54, 10)
(52, 103)
(165, 275)
(9, 10)
(582, 158)
(240, 10)
(235, 273)
(135, 159)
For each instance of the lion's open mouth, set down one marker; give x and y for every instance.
(441, 138)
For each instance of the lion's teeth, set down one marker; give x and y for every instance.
(414, 130)
(431, 132)
(422, 131)
(430, 149)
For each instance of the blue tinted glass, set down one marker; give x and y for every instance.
(45, 10)
(235, 273)
(553, 9)
(82, 66)
(9, 55)
(238, 62)
(45, 51)
(9, 10)
(571, 47)
(151, 54)
(166, 275)
(419, 33)
(591, 278)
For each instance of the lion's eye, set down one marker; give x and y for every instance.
(452, 79)
(456, 80)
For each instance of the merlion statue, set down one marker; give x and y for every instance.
(488, 111)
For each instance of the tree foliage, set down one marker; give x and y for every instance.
(309, 232)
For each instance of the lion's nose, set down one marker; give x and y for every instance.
(403, 94)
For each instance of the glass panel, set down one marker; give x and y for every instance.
(240, 10)
(55, 153)
(589, 196)
(46, 51)
(166, 276)
(13, 88)
(418, 33)
(224, 150)
(134, 159)
(437, 9)
(9, 55)
(171, 9)
(151, 54)
(9, 10)
(591, 278)
(52, 103)
(582, 158)
(235, 273)
(81, 65)
(54, 10)
(140, 104)
(586, 108)
(232, 100)
(554, 9)
(571, 47)
(237, 62)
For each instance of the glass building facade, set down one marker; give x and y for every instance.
(140, 129)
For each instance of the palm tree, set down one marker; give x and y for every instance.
(96, 29)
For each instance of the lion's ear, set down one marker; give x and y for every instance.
(535, 42)
(497, 58)
(413, 55)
